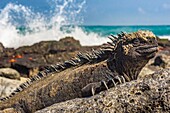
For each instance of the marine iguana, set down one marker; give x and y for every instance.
(120, 61)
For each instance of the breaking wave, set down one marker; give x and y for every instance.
(21, 25)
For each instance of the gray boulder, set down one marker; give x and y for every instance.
(7, 86)
(9, 73)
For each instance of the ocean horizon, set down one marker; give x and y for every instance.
(162, 31)
(86, 34)
(20, 25)
(159, 30)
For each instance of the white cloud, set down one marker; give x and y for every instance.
(166, 6)
(141, 10)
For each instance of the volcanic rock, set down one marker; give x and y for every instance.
(28, 60)
(45, 47)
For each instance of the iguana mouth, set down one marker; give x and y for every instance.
(147, 51)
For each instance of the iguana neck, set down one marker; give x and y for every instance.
(129, 68)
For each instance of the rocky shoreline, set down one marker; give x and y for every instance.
(17, 65)
(28, 60)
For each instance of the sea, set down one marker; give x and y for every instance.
(20, 25)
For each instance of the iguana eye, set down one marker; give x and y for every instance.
(151, 40)
(136, 41)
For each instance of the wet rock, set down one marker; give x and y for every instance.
(149, 94)
(28, 63)
(9, 73)
(28, 60)
(52, 47)
(65, 44)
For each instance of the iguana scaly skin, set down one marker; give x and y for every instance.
(121, 61)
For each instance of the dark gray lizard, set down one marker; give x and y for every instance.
(119, 61)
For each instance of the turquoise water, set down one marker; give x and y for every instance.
(87, 35)
(159, 30)
(104, 31)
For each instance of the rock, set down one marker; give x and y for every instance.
(149, 94)
(9, 73)
(1, 47)
(145, 71)
(7, 86)
(28, 60)
(9, 110)
(164, 42)
(8, 52)
(4, 62)
(42, 54)
(52, 47)
(28, 63)
(159, 62)
(6, 56)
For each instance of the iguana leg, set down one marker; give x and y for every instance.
(90, 89)
(95, 88)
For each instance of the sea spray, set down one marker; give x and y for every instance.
(21, 25)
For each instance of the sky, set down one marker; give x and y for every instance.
(113, 12)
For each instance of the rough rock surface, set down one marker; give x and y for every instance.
(45, 47)
(28, 60)
(8, 85)
(148, 94)
(9, 73)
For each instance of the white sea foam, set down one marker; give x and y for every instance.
(42, 28)
(165, 37)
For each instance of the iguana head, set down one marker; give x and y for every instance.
(131, 52)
